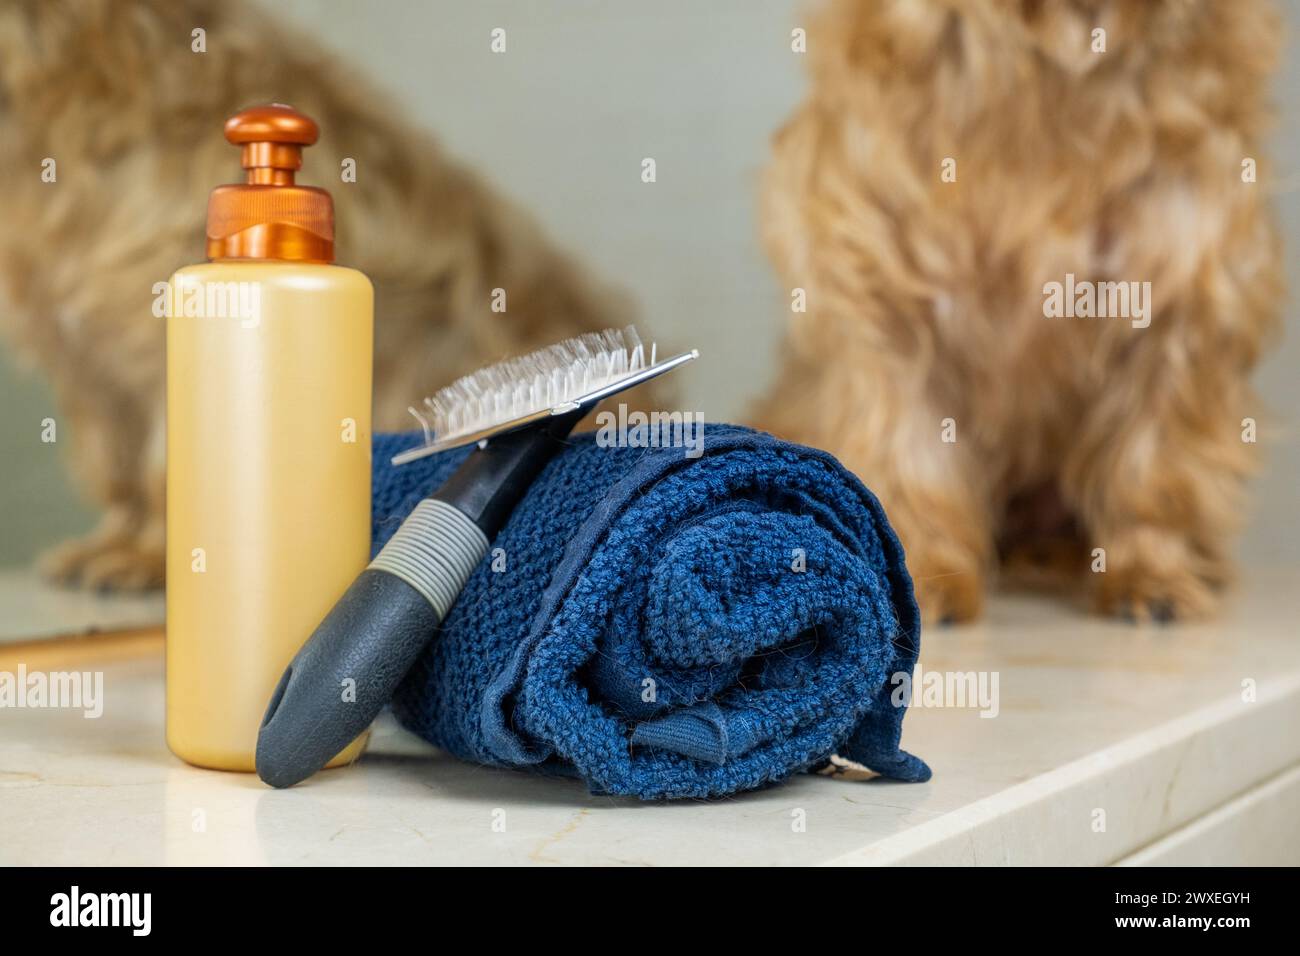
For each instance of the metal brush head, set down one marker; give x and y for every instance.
(559, 379)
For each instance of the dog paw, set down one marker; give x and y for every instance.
(1147, 596)
(949, 597)
(105, 565)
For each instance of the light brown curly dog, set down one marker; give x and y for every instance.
(953, 160)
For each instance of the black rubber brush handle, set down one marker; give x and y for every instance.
(355, 658)
(352, 664)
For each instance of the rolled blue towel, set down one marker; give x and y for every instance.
(663, 626)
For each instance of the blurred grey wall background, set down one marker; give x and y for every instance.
(562, 121)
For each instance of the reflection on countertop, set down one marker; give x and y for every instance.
(32, 608)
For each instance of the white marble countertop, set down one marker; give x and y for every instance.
(1149, 727)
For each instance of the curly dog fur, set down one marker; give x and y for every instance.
(924, 358)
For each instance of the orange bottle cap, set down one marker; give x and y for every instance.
(269, 216)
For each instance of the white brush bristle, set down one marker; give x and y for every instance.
(531, 383)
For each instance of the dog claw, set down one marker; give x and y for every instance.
(1162, 611)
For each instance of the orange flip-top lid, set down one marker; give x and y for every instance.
(269, 216)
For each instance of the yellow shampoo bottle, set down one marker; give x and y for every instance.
(269, 352)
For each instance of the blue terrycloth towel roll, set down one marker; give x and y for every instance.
(664, 626)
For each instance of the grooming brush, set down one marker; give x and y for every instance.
(518, 412)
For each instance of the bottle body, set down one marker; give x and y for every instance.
(268, 485)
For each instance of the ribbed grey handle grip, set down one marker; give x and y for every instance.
(434, 552)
